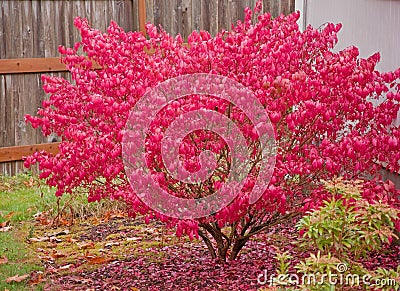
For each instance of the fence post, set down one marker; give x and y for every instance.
(142, 16)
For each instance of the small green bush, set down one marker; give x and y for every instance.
(344, 229)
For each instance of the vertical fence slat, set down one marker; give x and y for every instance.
(187, 18)
(142, 15)
(184, 16)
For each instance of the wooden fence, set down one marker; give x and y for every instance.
(184, 16)
(31, 31)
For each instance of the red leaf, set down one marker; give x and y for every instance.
(17, 278)
(3, 260)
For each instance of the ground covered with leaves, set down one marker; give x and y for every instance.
(125, 254)
(107, 250)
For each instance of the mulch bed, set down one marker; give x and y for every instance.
(187, 265)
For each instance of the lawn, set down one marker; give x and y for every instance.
(20, 200)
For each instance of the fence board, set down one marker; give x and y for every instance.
(33, 30)
(16, 153)
(33, 65)
(142, 15)
(184, 16)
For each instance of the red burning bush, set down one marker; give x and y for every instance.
(318, 100)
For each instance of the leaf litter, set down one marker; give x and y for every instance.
(124, 254)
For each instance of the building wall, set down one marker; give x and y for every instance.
(371, 25)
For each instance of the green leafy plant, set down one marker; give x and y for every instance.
(283, 262)
(343, 229)
(386, 279)
(347, 223)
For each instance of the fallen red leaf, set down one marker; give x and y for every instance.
(118, 215)
(39, 239)
(56, 255)
(9, 215)
(3, 260)
(17, 278)
(110, 244)
(84, 246)
(36, 278)
(96, 221)
(71, 240)
(4, 224)
(65, 267)
(98, 260)
(46, 258)
(42, 218)
(107, 216)
(30, 183)
(4, 227)
(64, 222)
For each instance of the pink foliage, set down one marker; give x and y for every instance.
(316, 99)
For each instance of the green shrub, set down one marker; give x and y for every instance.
(344, 229)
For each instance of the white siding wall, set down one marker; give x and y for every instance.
(371, 25)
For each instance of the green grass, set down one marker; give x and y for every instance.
(23, 200)
(21, 260)
(23, 196)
